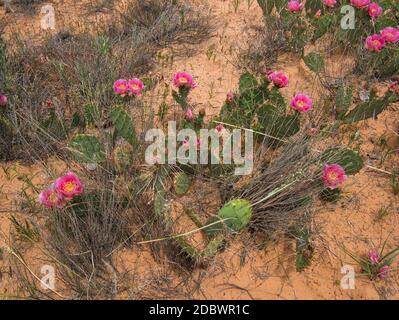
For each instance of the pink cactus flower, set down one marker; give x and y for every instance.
(374, 257)
(374, 10)
(278, 78)
(390, 34)
(183, 79)
(333, 176)
(230, 97)
(50, 198)
(330, 3)
(198, 142)
(121, 87)
(3, 101)
(375, 43)
(135, 87)
(69, 185)
(295, 6)
(302, 103)
(49, 103)
(189, 114)
(383, 272)
(219, 128)
(394, 86)
(360, 3)
(318, 14)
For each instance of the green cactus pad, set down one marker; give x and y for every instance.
(123, 124)
(346, 158)
(182, 183)
(367, 110)
(236, 214)
(87, 148)
(314, 61)
(343, 100)
(214, 228)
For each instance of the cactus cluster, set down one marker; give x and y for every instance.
(260, 107)
(348, 159)
(236, 214)
(162, 208)
(92, 150)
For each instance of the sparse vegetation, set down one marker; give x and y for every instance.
(122, 211)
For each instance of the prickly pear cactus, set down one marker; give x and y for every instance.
(181, 183)
(123, 124)
(163, 209)
(314, 61)
(123, 157)
(304, 248)
(273, 123)
(367, 110)
(346, 158)
(214, 227)
(343, 100)
(236, 214)
(87, 149)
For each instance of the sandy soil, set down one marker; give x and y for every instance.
(240, 272)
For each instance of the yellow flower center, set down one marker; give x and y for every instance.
(300, 104)
(69, 186)
(332, 176)
(183, 80)
(135, 87)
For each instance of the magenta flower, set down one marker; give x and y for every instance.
(374, 257)
(50, 198)
(3, 101)
(135, 87)
(49, 103)
(278, 78)
(333, 176)
(375, 43)
(295, 6)
(302, 103)
(198, 142)
(393, 86)
(390, 34)
(183, 79)
(219, 128)
(330, 3)
(360, 3)
(69, 185)
(317, 14)
(383, 272)
(374, 10)
(189, 114)
(230, 97)
(121, 87)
